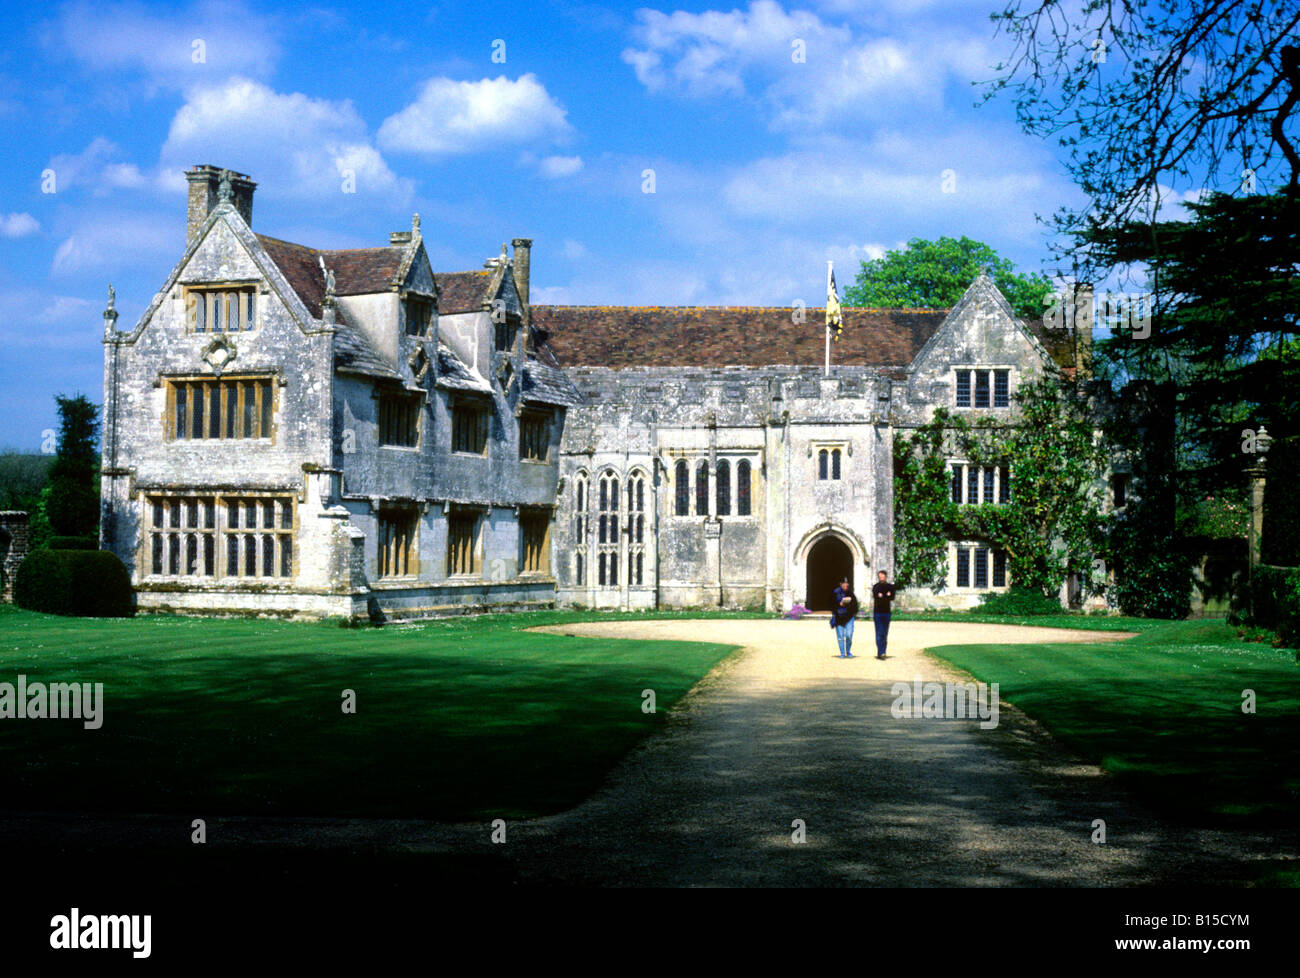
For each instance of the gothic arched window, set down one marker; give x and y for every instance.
(702, 489)
(607, 532)
(742, 487)
(724, 488)
(682, 487)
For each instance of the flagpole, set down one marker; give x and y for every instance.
(828, 325)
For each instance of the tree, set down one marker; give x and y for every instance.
(72, 501)
(1224, 327)
(935, 274)
(1146, 94)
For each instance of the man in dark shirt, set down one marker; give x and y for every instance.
(844, 607)
(882, 596)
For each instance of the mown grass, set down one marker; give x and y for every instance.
(1163, 713)
(456, 719)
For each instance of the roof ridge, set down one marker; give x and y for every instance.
(563, 305)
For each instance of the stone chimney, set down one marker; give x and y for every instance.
(523, 250)
(204, 180)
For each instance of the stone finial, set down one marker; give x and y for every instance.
(110, 313)
(328, 303)
(224, 192)
(415, 224)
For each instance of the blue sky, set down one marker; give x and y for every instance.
(764, 166)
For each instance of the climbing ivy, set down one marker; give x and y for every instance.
(1053, 520)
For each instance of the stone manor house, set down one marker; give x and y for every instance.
(297, 431)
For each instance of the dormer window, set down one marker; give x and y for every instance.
(221, 308)
(419, 315)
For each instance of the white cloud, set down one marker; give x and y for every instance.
(573, 250)
(803, 70)
(554, 167)
(304, 147)
(449, 117)
(18, 225)
(115, 242)
(125, 37)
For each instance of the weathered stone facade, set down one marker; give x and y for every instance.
(816, 449)
(297, 431)
(278, 431)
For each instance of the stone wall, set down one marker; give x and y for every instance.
(14, 541)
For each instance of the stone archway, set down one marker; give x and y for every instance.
(829, 559)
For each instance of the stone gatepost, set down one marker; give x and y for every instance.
(14, 544)
(1256, 474)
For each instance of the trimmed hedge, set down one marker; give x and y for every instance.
(1018, 602)
(1272, 600)
(90, 542)
(84, 583)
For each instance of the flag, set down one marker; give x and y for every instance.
(834, 318)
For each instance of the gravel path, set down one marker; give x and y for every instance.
(787, 730)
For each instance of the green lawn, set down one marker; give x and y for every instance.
(457, 719)
(1088, 623)
(1162, 712)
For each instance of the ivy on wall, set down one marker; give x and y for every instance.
(1053, 520)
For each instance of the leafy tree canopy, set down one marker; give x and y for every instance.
(935, 274)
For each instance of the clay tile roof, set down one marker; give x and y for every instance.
(357, 271)
(707, 336)
(462, 291)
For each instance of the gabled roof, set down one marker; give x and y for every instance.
(706, 336)
(357, 271)
(463, 291)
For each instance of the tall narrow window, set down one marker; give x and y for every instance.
(399, 420)
(534, 436)
(956, 484)
(607, 531)
(580, 529)
(723, 491)
(635, 527)
(742, 488)
(419, 313)
(682, 487)
(534, 539)
(963, 567)
(396, 551)
(702, 489)
(1001, 388)
(981, 388)
(469, 426)
(988, 485)
(1004, 485)
(1119, 485)
(835, 463)
(462, 542)
(972, 486)
(981, 567)
(963, 388)
(823, 464)
(999, 568)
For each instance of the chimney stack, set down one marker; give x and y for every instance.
(523, 250)
(204, 180)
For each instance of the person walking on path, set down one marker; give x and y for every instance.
(882, 596)
(844, 608)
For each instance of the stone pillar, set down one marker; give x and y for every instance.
(14, 544)
(1255, 473)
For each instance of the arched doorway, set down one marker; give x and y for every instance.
(829, 560)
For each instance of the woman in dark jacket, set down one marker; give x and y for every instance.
(844, 608)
